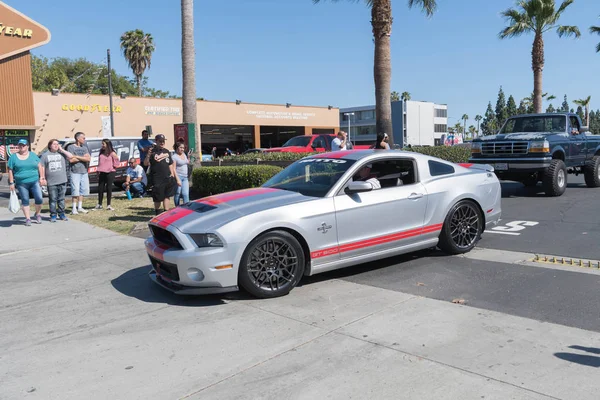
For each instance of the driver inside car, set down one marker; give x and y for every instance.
(365, 175)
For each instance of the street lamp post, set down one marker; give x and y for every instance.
(348, 114)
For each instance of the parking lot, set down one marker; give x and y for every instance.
(79, 317)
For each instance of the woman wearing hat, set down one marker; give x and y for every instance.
(24, 172)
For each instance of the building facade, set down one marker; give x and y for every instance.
(417, 123)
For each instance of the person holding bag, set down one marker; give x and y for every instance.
(24, 172)
(108, 162)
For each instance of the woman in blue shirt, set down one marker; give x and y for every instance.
(24, 171)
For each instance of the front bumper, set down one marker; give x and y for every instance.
(511, 164)
(192, 271)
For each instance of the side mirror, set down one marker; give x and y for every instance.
(584, 129)
(358, 187)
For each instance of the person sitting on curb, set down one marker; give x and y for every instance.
(136, 179)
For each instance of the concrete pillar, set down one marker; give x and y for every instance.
(256, 142)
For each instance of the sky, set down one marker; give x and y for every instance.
(279, 51)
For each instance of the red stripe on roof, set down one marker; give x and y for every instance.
(335, 154)
(376, 241)
(230, 196)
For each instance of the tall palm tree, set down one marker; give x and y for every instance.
(381, 22)
(395, 96)
(596, 29)
(537, 17)
(188, 66)
(137, 48)
(405, 96)
(478, 118)
(586, 104)
(465, 117)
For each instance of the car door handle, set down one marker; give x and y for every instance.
(414, 196)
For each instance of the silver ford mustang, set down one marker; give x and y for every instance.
(323, 212)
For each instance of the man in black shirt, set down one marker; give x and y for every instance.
(162, 172)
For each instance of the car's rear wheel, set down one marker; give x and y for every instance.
(591, 173)
(462, 228)
(555, 178)
(272, 265)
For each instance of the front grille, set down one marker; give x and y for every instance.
(504, 148)
(165, 269)
(164, 236)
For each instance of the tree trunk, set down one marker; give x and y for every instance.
(537, 64)
(138, 79)
(188, 65)
(381, 21)
(587, 115)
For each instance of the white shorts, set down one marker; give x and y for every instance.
(80, 185)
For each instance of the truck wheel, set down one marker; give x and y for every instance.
(555, 178)
(591, 173)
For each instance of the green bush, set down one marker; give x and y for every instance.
(215, 180)
(275, 156)
(455, 154)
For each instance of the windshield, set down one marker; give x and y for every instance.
(301, 141)
(310, 177)
(541, 124)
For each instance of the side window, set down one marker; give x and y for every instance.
(388, 173)
(319, 143)
(438, 168)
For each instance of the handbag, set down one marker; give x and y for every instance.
(13, 203)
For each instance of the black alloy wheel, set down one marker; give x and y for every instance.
(462, 228)
(272, 265)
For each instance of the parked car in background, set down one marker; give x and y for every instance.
(321, 213)
(253, 151)
(541, 147)
(126, 147)
(309, 144)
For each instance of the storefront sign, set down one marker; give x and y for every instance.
(19, 33)
(280, 115)
(156, 110)
(90, 108)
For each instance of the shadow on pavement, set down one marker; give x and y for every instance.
(582, 359)
(516, 189)
(10, 222)
(136, 283)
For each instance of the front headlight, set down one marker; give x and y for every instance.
(539, 147)
(206, 240)
(475, 147)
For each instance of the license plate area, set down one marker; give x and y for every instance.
(501, 166)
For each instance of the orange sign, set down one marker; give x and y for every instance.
(19, 33)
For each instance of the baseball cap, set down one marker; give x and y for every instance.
(160, 136)
(22, 141)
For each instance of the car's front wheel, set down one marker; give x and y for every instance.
(272, 265)
(462, 228)
(555, 179)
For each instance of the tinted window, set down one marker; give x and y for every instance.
(301, 141)
(438, 168)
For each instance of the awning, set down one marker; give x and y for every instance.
(19, 127)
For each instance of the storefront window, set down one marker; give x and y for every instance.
(237, 138)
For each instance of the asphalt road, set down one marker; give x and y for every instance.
(565, 226)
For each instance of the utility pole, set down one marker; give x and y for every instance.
(112, 123)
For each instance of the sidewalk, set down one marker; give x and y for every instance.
(80, 318)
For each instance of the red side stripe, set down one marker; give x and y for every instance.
(226, 197)
(376, 241)
(466, 165)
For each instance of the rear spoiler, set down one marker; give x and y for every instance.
(481, 167)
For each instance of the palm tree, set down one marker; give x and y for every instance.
(586, 104)
(478, 118)
(465, 117)
(395, 96)
(472, 131)
(537, 17)
(528, 101)
(137, 48)
(596, 29)
(405, 96)
(188, 66)
(381, 22)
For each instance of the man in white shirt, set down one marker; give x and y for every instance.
(364, 174)
(339, 143)
(136, 179)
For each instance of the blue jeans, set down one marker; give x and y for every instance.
(25, 189)
(56, 196)
(183, 190)
(136, 188)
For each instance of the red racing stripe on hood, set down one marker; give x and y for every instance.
(167, 218)
(231, 196)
